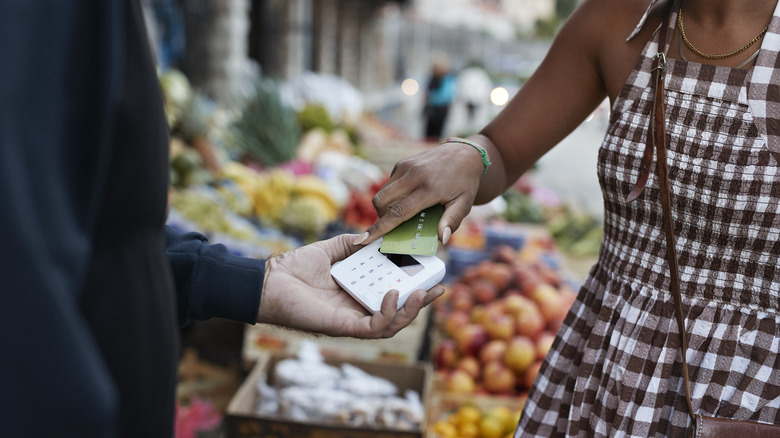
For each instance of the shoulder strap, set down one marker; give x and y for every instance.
(647, 156)
(657, 121)
(657, 140)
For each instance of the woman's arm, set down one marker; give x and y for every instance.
(568, 85)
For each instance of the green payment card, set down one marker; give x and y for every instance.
(416, 236)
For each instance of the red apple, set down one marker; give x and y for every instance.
(520, 354)
(460, 382)
(484, 291)
(470, 338)
(555, 325)
(529, 320)
(500, 275)
(526, 278)
(504, 254)
(500, 326)
(457, 287)
(530, 374)
(514, 302)
(454, 321)
(469, 274)
(486, 312)
(462, 299)
(469, 364)
(544, 343)
(549, 275)
(550, 302)
(478, 313)
(493, 351)
(498, 378)
(446, 355)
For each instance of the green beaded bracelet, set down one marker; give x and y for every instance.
(482, 151)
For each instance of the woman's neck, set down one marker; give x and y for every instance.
(728, 14)
(722, 32)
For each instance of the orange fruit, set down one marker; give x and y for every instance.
(491, 427)
(445, 429)
(468, 430)
(468, 414)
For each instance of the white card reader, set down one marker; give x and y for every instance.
(369, 274)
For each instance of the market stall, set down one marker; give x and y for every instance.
(268, 176)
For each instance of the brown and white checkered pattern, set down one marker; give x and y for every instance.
(614, 369)
(764, 88)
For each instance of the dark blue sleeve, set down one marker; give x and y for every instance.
(210, 281)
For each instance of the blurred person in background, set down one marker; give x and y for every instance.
(440, 92)
(169, 27)
(470, 109)
(615, 368)
(94, 286)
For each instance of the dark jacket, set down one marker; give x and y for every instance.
(93, 287)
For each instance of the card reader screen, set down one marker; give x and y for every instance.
(406, 262)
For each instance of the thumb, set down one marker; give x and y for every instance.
(382, 320)
(339, 247)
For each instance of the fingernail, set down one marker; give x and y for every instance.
(445, 236)
(362, 238)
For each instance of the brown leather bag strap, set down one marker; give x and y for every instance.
(647, 156)
(666, 205)
(657, 141)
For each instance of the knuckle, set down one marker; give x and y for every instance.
(417, 172)
(378, 200)
(397, 211)
(402, 164)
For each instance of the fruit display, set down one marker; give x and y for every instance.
(497, 321)
(262, 180)
(471, 422)
(209, 211)
(359, 211)
(273, 167)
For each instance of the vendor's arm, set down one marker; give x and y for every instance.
(293, 290)
(300, 293)
(212, 282)
(577, 74)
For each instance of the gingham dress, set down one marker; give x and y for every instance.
(614, 369)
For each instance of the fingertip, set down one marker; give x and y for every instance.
(360, 239)
(390, 303)
(417, 299)
(438, 291)
(446, 234)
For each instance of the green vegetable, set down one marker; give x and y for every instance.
(314, 116)
(267, 130)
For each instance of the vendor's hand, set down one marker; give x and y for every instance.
(300, 293)
(448, 174)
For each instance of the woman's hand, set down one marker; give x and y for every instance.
(448, 174)
(300, 293)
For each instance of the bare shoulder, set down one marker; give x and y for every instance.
(598, 25)
(603, 27)
(615, 16)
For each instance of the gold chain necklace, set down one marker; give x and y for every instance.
(708, 56)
